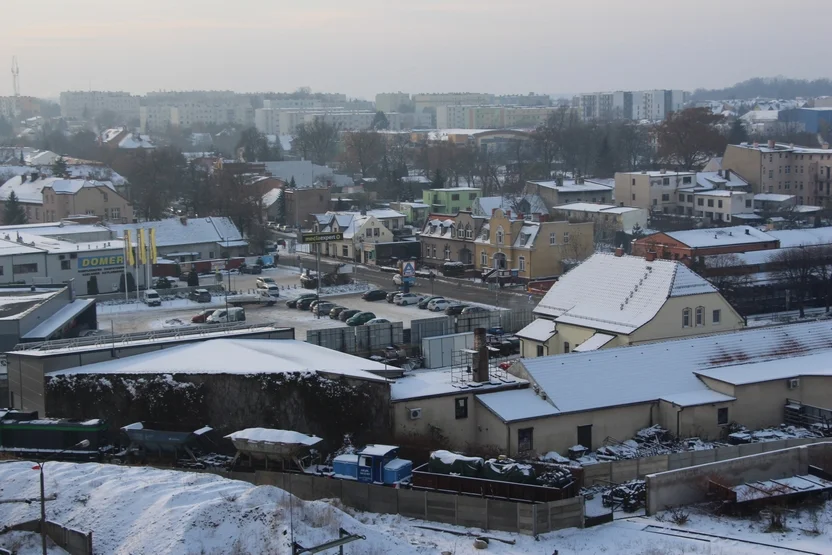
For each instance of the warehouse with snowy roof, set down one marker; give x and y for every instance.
(695, 387)
(612, 300)
(232, 384)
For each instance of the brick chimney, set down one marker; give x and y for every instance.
(619, 252)
(543, 218)
(650, 256)
(771, 143)
(480, 363)
(727, 175)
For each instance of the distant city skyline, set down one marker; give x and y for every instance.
(375, 46)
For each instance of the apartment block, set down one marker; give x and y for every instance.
(491, 117)
(651, 105)
(435, 100)
(392, 102)
(784, 169)
(88, 104)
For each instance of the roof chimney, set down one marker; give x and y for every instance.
(747, 231)
(619, 252)
(719, 173)
(662, 171)
(727, 175)
(756, 144)
(480, 362)
(492, 211)
(825, 146)
(650, 256)
(183, 220)
(771, 143)
(508, 214)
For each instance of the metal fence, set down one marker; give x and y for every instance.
(73, 541)
(459, 510)
(358, 339)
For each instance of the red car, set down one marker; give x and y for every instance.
(507, 364)
(202, 316)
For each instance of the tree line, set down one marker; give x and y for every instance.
(765, 87)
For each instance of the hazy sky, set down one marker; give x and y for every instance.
(361, 47)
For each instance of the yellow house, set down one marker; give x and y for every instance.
(534, 249)
(612, 300)
(361, 233)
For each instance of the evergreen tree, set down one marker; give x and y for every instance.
(59, 168)
(438, 181)
(340, 205)
(292, 184)
(280, 209)
(737, 134)
(92, 285)
(13, 213)
(380, 121)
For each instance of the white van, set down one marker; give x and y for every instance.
(152, 298)
(222, 316)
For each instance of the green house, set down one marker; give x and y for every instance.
(451, 201)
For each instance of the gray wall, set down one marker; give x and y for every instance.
(690, 485)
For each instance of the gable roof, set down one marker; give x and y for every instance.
(271, 197)
(485, 206)
(31, 192)
(618, 293)
(172, 231)
(668, 370)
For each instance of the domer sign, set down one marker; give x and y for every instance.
(87, 262)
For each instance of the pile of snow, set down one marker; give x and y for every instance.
(270, 435)
(449, 458)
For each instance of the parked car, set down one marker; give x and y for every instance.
(374, 295)
(222, 315)
(253, 269)
(336, 311)
(347, 314)
(360, 319)
(391, 296)
(200, 296)
(305, 303)
(162, 283)
(264, 282)
(474, 310)
(323, 308)
(293, 303)
(453, 269)
(407, 298)
(271, 290)
(455, 309)
(377, 321)
(202, 317)
(152, 298)
(438, 305)
(423, 304)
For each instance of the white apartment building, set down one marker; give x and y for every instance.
(435, 100)
(391, 102)
(491, 116)
(651, 105)
(292, 103)
(88, 104)
(191, 113)
(267, 121)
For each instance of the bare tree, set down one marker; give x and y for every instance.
(316, 140)
(822, 257)
(363, 152)
(796, 267)
(689, 138)
(726, 273)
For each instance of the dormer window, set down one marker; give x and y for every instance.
(500, 235)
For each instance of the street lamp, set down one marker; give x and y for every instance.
(80, 445)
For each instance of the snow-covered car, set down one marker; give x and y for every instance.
(438, 305)
(378, 321)
(404, 299)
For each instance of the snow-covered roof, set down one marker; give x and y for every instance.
(72, 186)
(434, 383)
(526, 236)
(485, 206)
(31, 192)
(666, 370)
(378, 450)
(618, 293)
(773, 197)
(385, 213)
(47, 327)
(415, 204)
(755, 116)
(592, 207)
(736, 235)
(540, 330)
(238, 356)
(518, 404)
(270, 435)
(271, 197)
(172, 231)
(711, 179)
(571, 186)
(594, 343)
(808, 236)
(135, 140)
(109, 134)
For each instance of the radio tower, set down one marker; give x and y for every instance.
(15, 76)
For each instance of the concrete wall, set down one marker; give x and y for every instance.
(474, 512)
(746, 162)
(690, 485)
(761, 404)
(699, 421)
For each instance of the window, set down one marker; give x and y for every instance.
(105, 197)
(686, 318)
(666, 181)
(788, 169)
(634, 196)
(553, 238)
(770, 173)
(710, 202)
(460, 233)
(447, 252)
(469, 233)
(210, 254)
(434, 251)
(719, 204)
(345, 250)
(115, 213)
(585, 436)
(722, 416)
(748, 203)
(565, 237)
(25, 268)
(522, 262)
(454, 197)
(566, 346)
(483, 259)
(540, 350)
(690, 198)
(472, 196)
(461, 407)
(655, 202)
(686, 179)
(88, 212)
(525, 440)
(369, 232)
(65, 265)
(665, 197)
(716, 316)
(788, 184)
(500, 235)
(681, 198)
(700, 202)
(700, 316)
(375, 232)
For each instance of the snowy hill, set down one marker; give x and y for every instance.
(139, 510)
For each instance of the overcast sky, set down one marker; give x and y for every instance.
(361, 47)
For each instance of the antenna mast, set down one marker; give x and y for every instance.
(15, 76)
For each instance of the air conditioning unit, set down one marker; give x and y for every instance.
(794, 383)
(415, 414)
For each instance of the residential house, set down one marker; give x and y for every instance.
(691, 244)
(451, 200)
(123, 138)
(510, 247)
(270, 205)
(362, 231)
(607, 218)
(655, 191)
(784, 169)
(450, 238)
(613, 300)
(528, 207)
(568, 191)
(415, 213)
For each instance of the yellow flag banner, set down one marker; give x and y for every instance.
(153, 245)
(142, 253)
(128, 248)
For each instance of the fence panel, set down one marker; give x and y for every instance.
(727, 453)
(472, 512)
(568, 513)
(441, 507)
(429, 327)
(774, 445)
(600, 473)
(624, 470)
(412, 503)
(526, 518)
(356, 495)
(651, 465)
(750, 449)
(502, 515)
(384, 500)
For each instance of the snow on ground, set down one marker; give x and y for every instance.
(140, 510)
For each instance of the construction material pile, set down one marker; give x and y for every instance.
(502, 469)
(628, 497)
